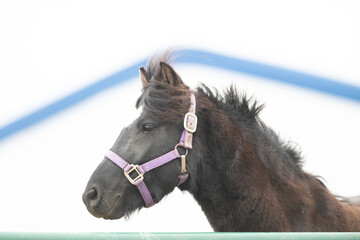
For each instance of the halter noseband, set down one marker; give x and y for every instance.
(190, 124)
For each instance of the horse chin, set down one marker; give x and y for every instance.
(112, 215)
(115, 211)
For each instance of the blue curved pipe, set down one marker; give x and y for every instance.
(188, 56)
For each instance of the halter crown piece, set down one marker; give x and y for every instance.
(190, 124)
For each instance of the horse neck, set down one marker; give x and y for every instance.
(227, 173)
(243, 177)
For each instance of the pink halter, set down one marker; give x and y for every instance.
(190, 124)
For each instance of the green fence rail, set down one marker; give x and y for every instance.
(177, 236)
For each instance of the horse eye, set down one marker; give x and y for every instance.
(148, 127)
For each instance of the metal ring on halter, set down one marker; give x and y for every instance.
(186, 150)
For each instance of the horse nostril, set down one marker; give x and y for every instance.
(92, 194)
(91, 198)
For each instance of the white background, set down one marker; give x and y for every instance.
(49, 49)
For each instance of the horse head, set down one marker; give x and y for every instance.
(165, 100)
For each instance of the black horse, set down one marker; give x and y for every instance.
(239, 171)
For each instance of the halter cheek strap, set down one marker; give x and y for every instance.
(190, 124)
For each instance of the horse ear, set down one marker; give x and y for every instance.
(144, 77)
(169, 74)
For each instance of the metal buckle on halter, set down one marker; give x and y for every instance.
(183, 159)
(190, 122)
(134, 168)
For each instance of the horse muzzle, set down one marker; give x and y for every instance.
(100, 206)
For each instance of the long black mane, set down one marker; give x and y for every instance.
(245, 111)
(238, 106)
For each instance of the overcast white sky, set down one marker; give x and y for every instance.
(51, 48)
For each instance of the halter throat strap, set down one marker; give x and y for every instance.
(190, 124)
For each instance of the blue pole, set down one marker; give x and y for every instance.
(69, 100)
(279, 74)
(189, 56)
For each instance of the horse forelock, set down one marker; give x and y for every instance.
(153, 67)
(164, 102)
(159, 99)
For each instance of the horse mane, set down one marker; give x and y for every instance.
(168, 103)
(245, 111)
